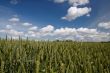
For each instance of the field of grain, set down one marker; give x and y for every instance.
(24, 56)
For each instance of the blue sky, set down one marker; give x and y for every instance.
(86, 20)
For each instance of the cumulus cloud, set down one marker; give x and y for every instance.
(33, 28)
(11, 32)
(78, 2)
(48, 28)
(73, 2)
(18, 28)
(84, 34)
(105, 25)
(65, 31)
(59, 1)
(74, 31)
(49, 32)
(87, 31)
(8, 27)
(75, 12)
(30, 34)
(14, 19)
(26, 24)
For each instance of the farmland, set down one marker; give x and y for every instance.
(25, 56)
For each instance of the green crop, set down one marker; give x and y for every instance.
(25, 56)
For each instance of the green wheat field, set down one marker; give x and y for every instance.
(29, 56)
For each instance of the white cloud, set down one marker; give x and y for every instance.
(59, 1)
(11, 32)
(41, 32)
(87, 31)
(105, 25)
(8, 27)
(84, 34)
(14, 19)
(74, 31)
(27, 24)
(49, 32)
(78, 2)
(75, 12)
(73, 2)
(47, 29)
(14, 2)
(30, 34)
(14, 32)
(33, 28)
(65, 31)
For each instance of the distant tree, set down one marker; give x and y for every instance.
(57, 40)
(68, 40)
